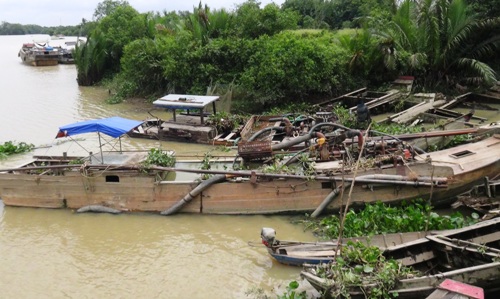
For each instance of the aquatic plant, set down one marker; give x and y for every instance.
(360, 265)
(159, 158)
(13, 147)
(291, 292)
(380, 218)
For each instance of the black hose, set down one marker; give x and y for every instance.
(200, 188)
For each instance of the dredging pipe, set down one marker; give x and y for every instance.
(193, 193)
(265, 130)
(328, 199)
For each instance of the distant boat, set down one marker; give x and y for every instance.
(39, 54)
(66, 52)
(58, 36)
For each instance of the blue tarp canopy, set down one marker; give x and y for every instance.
(113, 126)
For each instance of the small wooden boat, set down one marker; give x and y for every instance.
(296, 253)
(469, 255)
(126, 185)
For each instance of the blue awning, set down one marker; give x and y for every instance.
(112, 126)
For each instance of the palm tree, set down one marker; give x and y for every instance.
(90, 59)
(440, 42)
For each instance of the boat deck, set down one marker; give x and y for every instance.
(466, 157)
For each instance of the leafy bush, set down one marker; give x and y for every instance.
(287, 66)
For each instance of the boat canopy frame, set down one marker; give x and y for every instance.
(187, 102)
(112, 126)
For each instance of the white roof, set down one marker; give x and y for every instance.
(184, 101)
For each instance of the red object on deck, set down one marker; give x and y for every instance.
(462, 289)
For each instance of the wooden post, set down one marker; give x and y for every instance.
(213, 105)
(487, 186)
(174, 114)
(202, 114)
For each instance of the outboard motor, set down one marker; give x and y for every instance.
(268, 236)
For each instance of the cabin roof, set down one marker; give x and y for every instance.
(184, 101)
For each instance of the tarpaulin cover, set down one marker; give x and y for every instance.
(113, 126)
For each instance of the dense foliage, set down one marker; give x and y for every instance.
(268, 58)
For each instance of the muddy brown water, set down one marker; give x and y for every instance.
(60, 254)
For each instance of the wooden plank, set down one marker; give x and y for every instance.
(418, 258)
(315, 253)
(411, 113)
(486, 238)
(229, 136)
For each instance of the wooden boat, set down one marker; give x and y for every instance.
(37, 54)
(65, 56)
(127, 185)
(469, 255)
(273, 129)
(187, 126)
(296, 253)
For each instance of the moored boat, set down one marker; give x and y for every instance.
(469, 255)
(39, 54)
(127, 185)
(296, 253)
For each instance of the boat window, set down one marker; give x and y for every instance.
(112, 179)
(462, 154)
(327, 185)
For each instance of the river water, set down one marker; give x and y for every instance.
(60, 254)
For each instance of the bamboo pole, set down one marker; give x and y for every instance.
(341, 229)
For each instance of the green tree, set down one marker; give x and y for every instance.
(107, 7)
(204, 24)
(485, 9)
(437, 40)
(252, 22)
(295, 67)
(102, 52)
(90, 59)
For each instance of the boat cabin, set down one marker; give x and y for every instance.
(188, 125)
